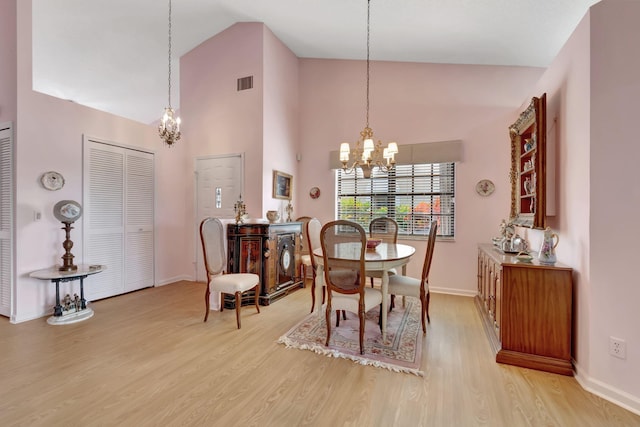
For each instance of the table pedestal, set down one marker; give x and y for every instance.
(56, 276)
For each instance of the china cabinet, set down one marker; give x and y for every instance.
(272, 251)
(528, 165)
(526, 310)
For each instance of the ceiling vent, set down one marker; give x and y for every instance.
(245, 83)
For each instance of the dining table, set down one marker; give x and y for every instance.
(382, 258)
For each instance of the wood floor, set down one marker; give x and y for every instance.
(147, 359)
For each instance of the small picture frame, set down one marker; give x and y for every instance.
(282, 184)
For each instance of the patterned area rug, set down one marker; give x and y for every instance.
(400, 352)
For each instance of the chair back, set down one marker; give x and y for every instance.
(343, 248)
(429, 255)
(211, 235)
(304, 240)
(385, 229)
(313, 238)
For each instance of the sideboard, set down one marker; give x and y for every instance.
(526, 310)
(272, 251)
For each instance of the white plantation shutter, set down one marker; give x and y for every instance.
(118, 218)
(6, 218)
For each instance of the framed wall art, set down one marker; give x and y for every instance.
(282, 184)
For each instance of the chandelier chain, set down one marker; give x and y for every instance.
(169, 78)
(368, 24)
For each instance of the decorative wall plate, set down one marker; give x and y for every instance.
(485, 187)
(314, 193)
(52, 180)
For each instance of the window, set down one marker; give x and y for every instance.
(413, 195)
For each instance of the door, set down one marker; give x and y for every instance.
(118, 218)
(218, 187)
(6, 218)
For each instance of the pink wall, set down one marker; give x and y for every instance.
(8, 69)
(416, 103)
(50, 138)
(218, 119)
(593, 91)
(281, 137)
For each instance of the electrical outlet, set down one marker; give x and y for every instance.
(617, 347)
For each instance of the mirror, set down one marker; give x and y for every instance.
(528, 165)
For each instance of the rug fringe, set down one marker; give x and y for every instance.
(319, 349)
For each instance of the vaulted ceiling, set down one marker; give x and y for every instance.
(112, 54)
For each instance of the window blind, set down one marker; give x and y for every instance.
(413, 195)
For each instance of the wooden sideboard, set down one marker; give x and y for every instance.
(526, 309)
(272, 251)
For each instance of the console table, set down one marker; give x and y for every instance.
(272, 251)
(80, 311)
(526, 309)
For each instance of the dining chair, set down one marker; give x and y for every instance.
(386, 230)
(343, 249)
(314, 226)
(305, 253)
(212, 235)
(419, 288)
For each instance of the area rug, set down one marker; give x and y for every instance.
(400, 352)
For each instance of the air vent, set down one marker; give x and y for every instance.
(245, 83)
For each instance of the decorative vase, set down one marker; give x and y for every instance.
(273, 216)
(547, 254)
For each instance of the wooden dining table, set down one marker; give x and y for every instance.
(383, 258)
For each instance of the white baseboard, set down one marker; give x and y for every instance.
(449, 291)
(175, 279)
(605, 391)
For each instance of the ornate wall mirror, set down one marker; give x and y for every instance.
(528, 165)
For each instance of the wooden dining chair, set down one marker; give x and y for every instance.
(305, 252)
(314, 226)
(211, 235)
(386, 230)
(343, 248)
(419, 288)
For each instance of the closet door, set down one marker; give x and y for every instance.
(118, 218)
(139, 220)
(6, 218)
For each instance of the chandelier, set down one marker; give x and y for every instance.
(368, 154)
(169, 128)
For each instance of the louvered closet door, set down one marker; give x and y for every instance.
(118, 218)
(139, 220)
(6, 218)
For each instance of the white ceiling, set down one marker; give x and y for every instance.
(112, 54)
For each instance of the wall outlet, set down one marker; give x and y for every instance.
(617, 347)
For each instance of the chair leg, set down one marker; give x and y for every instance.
(238, 302)
(256, 299)
(337, 318)
(361, 316)
(392, 304)
(328, 321)
(207, 294)
(313, 293)
(428, 299)
(423, 313)
(380, 318)
(344, 314)
(371, 281)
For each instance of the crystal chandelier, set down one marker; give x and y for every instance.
(368, 154)
(169, 128)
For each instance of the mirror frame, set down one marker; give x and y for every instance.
(528, 208)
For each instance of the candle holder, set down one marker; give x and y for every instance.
(240, 209)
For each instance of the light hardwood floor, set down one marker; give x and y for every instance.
(147, 359)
